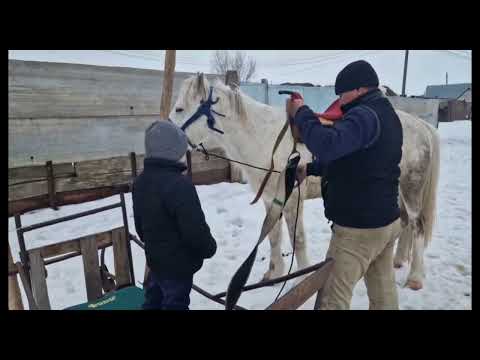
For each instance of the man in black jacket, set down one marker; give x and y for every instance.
(358, 158)
(169, 220)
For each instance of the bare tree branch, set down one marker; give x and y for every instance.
(222, 61)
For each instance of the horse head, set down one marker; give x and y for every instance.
(202, 110)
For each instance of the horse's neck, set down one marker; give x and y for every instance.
(252, 138)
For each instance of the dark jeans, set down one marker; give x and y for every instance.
(167, 294)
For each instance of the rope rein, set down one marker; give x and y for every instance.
(208, 154)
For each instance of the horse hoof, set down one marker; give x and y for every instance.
(270, 275)
(397, 265)
(414, 285)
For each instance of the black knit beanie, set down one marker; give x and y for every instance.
(355, 75)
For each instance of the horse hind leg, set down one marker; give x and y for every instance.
(417, 273)
(412, 239)
(404, 241)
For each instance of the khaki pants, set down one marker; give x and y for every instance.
(361, 253)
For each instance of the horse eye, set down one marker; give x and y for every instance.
(178, 110)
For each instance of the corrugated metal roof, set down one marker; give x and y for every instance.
(450, 91)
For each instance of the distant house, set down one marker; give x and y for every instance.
(456, 100)
(467, 95)
(450, 92)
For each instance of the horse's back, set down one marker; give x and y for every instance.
(417, 143)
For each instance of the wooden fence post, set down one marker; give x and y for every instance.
(133, 163)
(51, 185)
(167, 92)
(14, 295)
(165, 104)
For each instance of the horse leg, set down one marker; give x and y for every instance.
(411, 191)
(276, 266)
(403, 245)
(416, 275)
(291, 217)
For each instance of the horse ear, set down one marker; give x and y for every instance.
(201, 83)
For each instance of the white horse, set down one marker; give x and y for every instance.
(250, 129)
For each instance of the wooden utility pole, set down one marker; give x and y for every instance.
(168, 76)
(405, 73)
(14, 296)
(166, 101)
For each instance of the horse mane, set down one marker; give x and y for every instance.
(235, 97)
(201, 87)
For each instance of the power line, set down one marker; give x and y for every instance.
(464, 53)
(153, 58)
(330, 61)
(305, 61)
(454, 53)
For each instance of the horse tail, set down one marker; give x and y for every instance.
(428, 211)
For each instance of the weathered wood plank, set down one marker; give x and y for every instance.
(91, 267)
(38, 171)
(14, 296)
(120, 254)
(212, 164)
(39, 281)
(109, 172)
(103, 166)
(93, 181)
(103, 239)
(65, 198)
(24, 191)
(26, 286)
(299, 294)
(211, 177)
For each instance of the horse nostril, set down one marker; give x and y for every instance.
(178, 110)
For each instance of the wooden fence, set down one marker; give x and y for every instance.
(51, 185)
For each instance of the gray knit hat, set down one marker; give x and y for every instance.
(165, 140)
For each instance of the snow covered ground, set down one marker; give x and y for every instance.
(236, 225)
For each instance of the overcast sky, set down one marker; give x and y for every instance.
(425, 67)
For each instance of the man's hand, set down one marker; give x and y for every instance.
(293, 106)
(301, 173)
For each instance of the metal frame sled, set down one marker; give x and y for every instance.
(106, 291)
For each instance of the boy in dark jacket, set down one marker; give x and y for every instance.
(169, 220)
